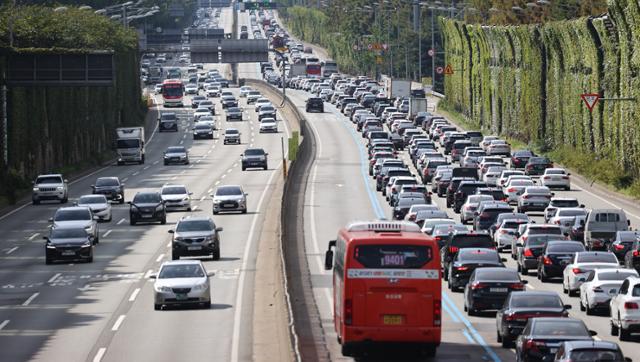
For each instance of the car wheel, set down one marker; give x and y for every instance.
(568, 188)
(157, 307)
(543, 278)
(206, 305)
(120, 163)
(175, 256)
(35, 202)
(498, 336)
(625, 335)
(472, 312)
(243, 168)
(122, 200)
(65, 200)
(244, 211)
(163, 221)
(266, 167)
(216, 254)
(132, 222)
(582, 307)
(564, 289)
(48, 261)
(90, 260)
(614, 328)
(166, 163)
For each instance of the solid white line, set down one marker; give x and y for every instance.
(174, 177)
(159, 258)
(118, 322)
(135, 173)
(183, 172)
(53, 278)
(12, 250)
(33, 236)
(235, 340)
(168, 244)
(195, 208)
(181, 141)
(134, 294)
(106, 233)
(229, 170)
(203, 197)
(30, 299)
(4, 324)
(191, 166)
(121, 221)
(146, 167)
(99, 354)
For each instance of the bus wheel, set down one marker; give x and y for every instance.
(429, 351)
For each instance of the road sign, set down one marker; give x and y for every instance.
(379, 60)
(439, 70)
(431, 52)
(590, 99)
(448, 70)
(385, 46)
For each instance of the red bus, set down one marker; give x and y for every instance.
(314, 69)
(172, 92)
(386, 287)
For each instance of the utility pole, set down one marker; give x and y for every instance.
(433, 46)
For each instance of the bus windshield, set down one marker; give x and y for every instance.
(172, 90)
(393, 256)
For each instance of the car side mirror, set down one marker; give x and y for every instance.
(567, 306)
(45, 238)
(93, 186)
(517, 234)
(627, 359)
(50, 219)
(129, 202)
(266, 154)
(66, 181)
(628, 222)
(190, 193)
(581, 279)
(503, 260)
(582, 206)
(96, 217)
(246, 194)
(211, 274)
(553, 194)
(593, 333)
(219, 229)
(171, 231)
(153, 276)
(524, 281)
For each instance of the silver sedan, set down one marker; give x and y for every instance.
(182, 282)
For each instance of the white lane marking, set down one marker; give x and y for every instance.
(4, 324)
(530, 286)
(148, 273)
(235, 340)
(198, 161)
(597, 338)
(223, 176)
(121, 221)
(195, 208)
(159, 258)
(168, 244)
(174, 177)
(53, 278)
(135, 173)
(210, 190)
(30, 299)
(191, 166)
(12, 250)
(183, 172)
(235, 164)
(157, 162)
(608, 202)
(229, 170)
(146, 167)
(125, 179)
(134, 294)
(106, 233)
(181, 141)
(33, 236)
(203, 197)
(118, 322)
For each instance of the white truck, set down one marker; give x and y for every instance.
(396, 88)
(417, 105)
(297, 69)
(130, 145)
(329, 67)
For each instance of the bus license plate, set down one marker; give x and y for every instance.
(392, 319)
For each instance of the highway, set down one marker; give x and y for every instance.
(103, 311)
(340, 191)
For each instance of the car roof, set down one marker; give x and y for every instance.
(72, 208)
(181, 262)
(51, 175)
(194, 218)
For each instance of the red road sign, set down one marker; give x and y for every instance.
(370, 46)
(448, 70)
(431, 52)
(439, 70)
(590, 99)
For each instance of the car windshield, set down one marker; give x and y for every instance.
(231, 131)
(92, 199)
(147, 198)
(478, 255)
(254, 152)
(174, 190)
(168, 116)
(68, 233)
(70, 215)
(597, 258)
(565, 248)
(203, 126)
(233, 110)
(497, 274)
(563, 212)
(617, 275)
(181, 271)
(49, 180)
(524, 300)
(228, 191)
(559, 328)
(176, 150)
(564, 203)
(594, 354)
(545, 230)
(101, 182)
(628, 235)
(194, 225)
(446, 229)
(540, 240)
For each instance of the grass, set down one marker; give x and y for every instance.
(605, 171)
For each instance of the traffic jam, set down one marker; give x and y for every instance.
(468, 213)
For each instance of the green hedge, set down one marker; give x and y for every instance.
(66, 128)
(525, 82)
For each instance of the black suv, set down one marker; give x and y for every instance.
(459, 241)
(110, 187)
(195, 236)
(254, 157)
(465, 189)
(146, 207)
(315, 104)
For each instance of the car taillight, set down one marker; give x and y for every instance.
(546, 177)
(636, 253)
(529, 167)
(437, 313)
(547, 260)
(505, 199)
(577, 271)
(503, 231)
(511, 317)
(462, 268)
(485, 215)
(517, 286)
(412, 217)
(619, 246)
(511, 189)
(596, 242)
(438, 238)
(478, 285)
(525, 196)
(630, 305)
(348, 312)
(453, 249)
(565, 177)
(393, 189)
(557, 222)
(534, 345)
(528, 253)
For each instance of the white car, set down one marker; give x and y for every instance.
(200, 112)
(559, 203)
(98, 204)
(492, 175)
(253, 96)
(268, 125)
(575, 273)
(565, 217)
(261, 102)
(191, 88)
(244, 90)
(181, 282)
(534, 198)
(157, 89)
(624, 309)
(471, 159)
(414, 209)
(505, 234)
(486, 140)
(498, 147)
(600, 286)
(514, 188)
(468, 209)
(504, 176)
(428, 225)
(556, 178)
(176, 197)
(212, 91)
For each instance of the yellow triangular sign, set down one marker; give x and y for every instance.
(448, 70)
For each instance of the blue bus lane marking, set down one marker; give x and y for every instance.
(450, 308)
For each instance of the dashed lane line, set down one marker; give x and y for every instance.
(30, 299)
(159, 258)
(121, 221)
(53, 278)
(12, 250)
(134, 294)
(118, 322)
(106, 233)
(4, 324)
(33, 236)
